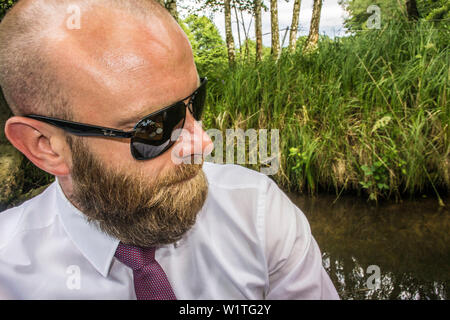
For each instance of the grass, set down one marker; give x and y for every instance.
(365, 114)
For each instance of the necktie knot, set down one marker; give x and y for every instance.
(135, 257)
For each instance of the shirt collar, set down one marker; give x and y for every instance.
(96, 246)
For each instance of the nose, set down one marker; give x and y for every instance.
(193, 144)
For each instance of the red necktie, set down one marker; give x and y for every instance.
(150, 280)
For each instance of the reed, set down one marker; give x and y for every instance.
(366, 113)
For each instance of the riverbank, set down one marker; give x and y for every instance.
(366, 114)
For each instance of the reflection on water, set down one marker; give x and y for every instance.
(409, 242)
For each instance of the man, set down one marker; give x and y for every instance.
(124, 219)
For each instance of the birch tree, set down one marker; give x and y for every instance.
(313, 36)
(294, 25)
(258, 29)
(274, 28)
(229, 33)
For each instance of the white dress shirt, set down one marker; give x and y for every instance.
(249, 242)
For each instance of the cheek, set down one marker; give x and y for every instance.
(115, 153)
(111, 151)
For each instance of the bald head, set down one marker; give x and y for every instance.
(51, 59)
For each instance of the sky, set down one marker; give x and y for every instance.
(331, 19)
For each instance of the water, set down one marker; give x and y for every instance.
(408, 243)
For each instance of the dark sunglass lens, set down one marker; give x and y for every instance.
(198, 102)
(154, 134)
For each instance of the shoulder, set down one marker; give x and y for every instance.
(234, 176)
(251, 204)
(244, 184)
(237, 190)
(9, 221)
(256, 197)
(236, 199)
(33, 214)
(237, 179)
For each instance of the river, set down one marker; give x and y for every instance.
(393, 251)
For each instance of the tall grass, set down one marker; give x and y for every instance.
(366, 113)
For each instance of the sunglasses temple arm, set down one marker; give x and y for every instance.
(97, 132)
(84, 130)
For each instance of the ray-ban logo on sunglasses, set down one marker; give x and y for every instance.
(108, 133)
(194, 148)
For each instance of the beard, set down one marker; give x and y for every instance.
(133, 208)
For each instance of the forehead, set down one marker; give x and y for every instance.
(116, 70)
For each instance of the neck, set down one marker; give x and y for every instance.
(67, 187)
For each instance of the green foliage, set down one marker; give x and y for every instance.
(247, 51)
(209, 49)
(4, 6)
(439, 12)
(434, 9)
(358, 15)
(376, 179)
(34, 177)
(303, 161)
(392, 11)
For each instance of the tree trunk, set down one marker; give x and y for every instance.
(229, 33)
(411, 9)
(275, 30)
(313, 36)
(171, 6)
(246, 33)
(238, 29)
(294, 25)
(258, 30)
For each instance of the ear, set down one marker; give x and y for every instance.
(41, 143)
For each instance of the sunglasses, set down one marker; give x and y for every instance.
(152, 135)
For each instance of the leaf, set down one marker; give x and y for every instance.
(385, 186)
(364, 185)
(367, 170)
(382, 186)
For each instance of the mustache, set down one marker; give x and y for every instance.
(179, 173)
